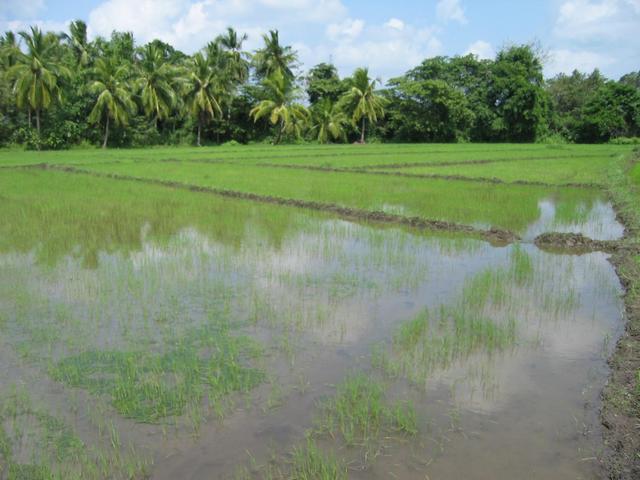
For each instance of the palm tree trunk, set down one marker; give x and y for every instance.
(279, 137)
(362, 130)
(199, 130)
(38, 120)
(30, 124)
(106, 133)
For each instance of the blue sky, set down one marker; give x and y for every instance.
(388, 36)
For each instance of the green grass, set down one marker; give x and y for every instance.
(635, 175)
(581, 170)
(507, 207)
(315, 155)
(88, 215)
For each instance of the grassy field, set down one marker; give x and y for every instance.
(153, 325)
(474, 203)
(556, 171)
(338, 156)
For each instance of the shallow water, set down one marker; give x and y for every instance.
(320, 295)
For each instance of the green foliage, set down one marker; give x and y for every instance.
(323, 83)
(613, 111)
(329, 121)
(168, 97)
(521, 102)
(428, 111)
(280, 108)
(361, 101)
(274, 57)
(114, 100)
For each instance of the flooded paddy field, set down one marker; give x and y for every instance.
(153, 331)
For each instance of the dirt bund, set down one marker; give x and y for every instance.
(393, 172)
(430, 176)
(578, 243)
(473, 162)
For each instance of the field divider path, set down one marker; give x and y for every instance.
(433, 176)
(495, 236)
(481, 161)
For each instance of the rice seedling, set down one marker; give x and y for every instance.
(150, 387)
(359, 412)
(308, 462)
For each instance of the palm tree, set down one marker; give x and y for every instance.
(274, 56)
(78, 42)
(114, 100)
(9, 50)
(156, 82)
(237, 63)
(329, 121)
(362, 101)
(281, 109)
(202, 92)
(37, 74)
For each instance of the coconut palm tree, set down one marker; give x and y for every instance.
(281, 109)
(114, 101)
(156, 82)
(274, 56)
(329, 121)
(202, 92)
(237, 62)
(78, 42)
(362, 101)
(37, 73)
(9, 50)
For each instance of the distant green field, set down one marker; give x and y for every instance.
(256, 169)
(318, 155)
(475, 203)
(589, 170)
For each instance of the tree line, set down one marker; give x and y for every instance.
(58, 90)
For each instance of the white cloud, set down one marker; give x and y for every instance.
(147, 19)
(44, 25)
(395, 23)
(450, 10)
(189, 25)
(566, 61)
(388, 49)
(20, 8)
(595, 33)
(587, 20)
(481, 49)
(348, 28)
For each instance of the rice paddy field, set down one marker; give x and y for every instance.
(307, 312)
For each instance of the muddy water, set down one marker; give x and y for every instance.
(320, 296)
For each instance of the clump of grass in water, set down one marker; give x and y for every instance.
(54, 449)
(359, 412)
(422, 345)
(310, 463)
(151, 386)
